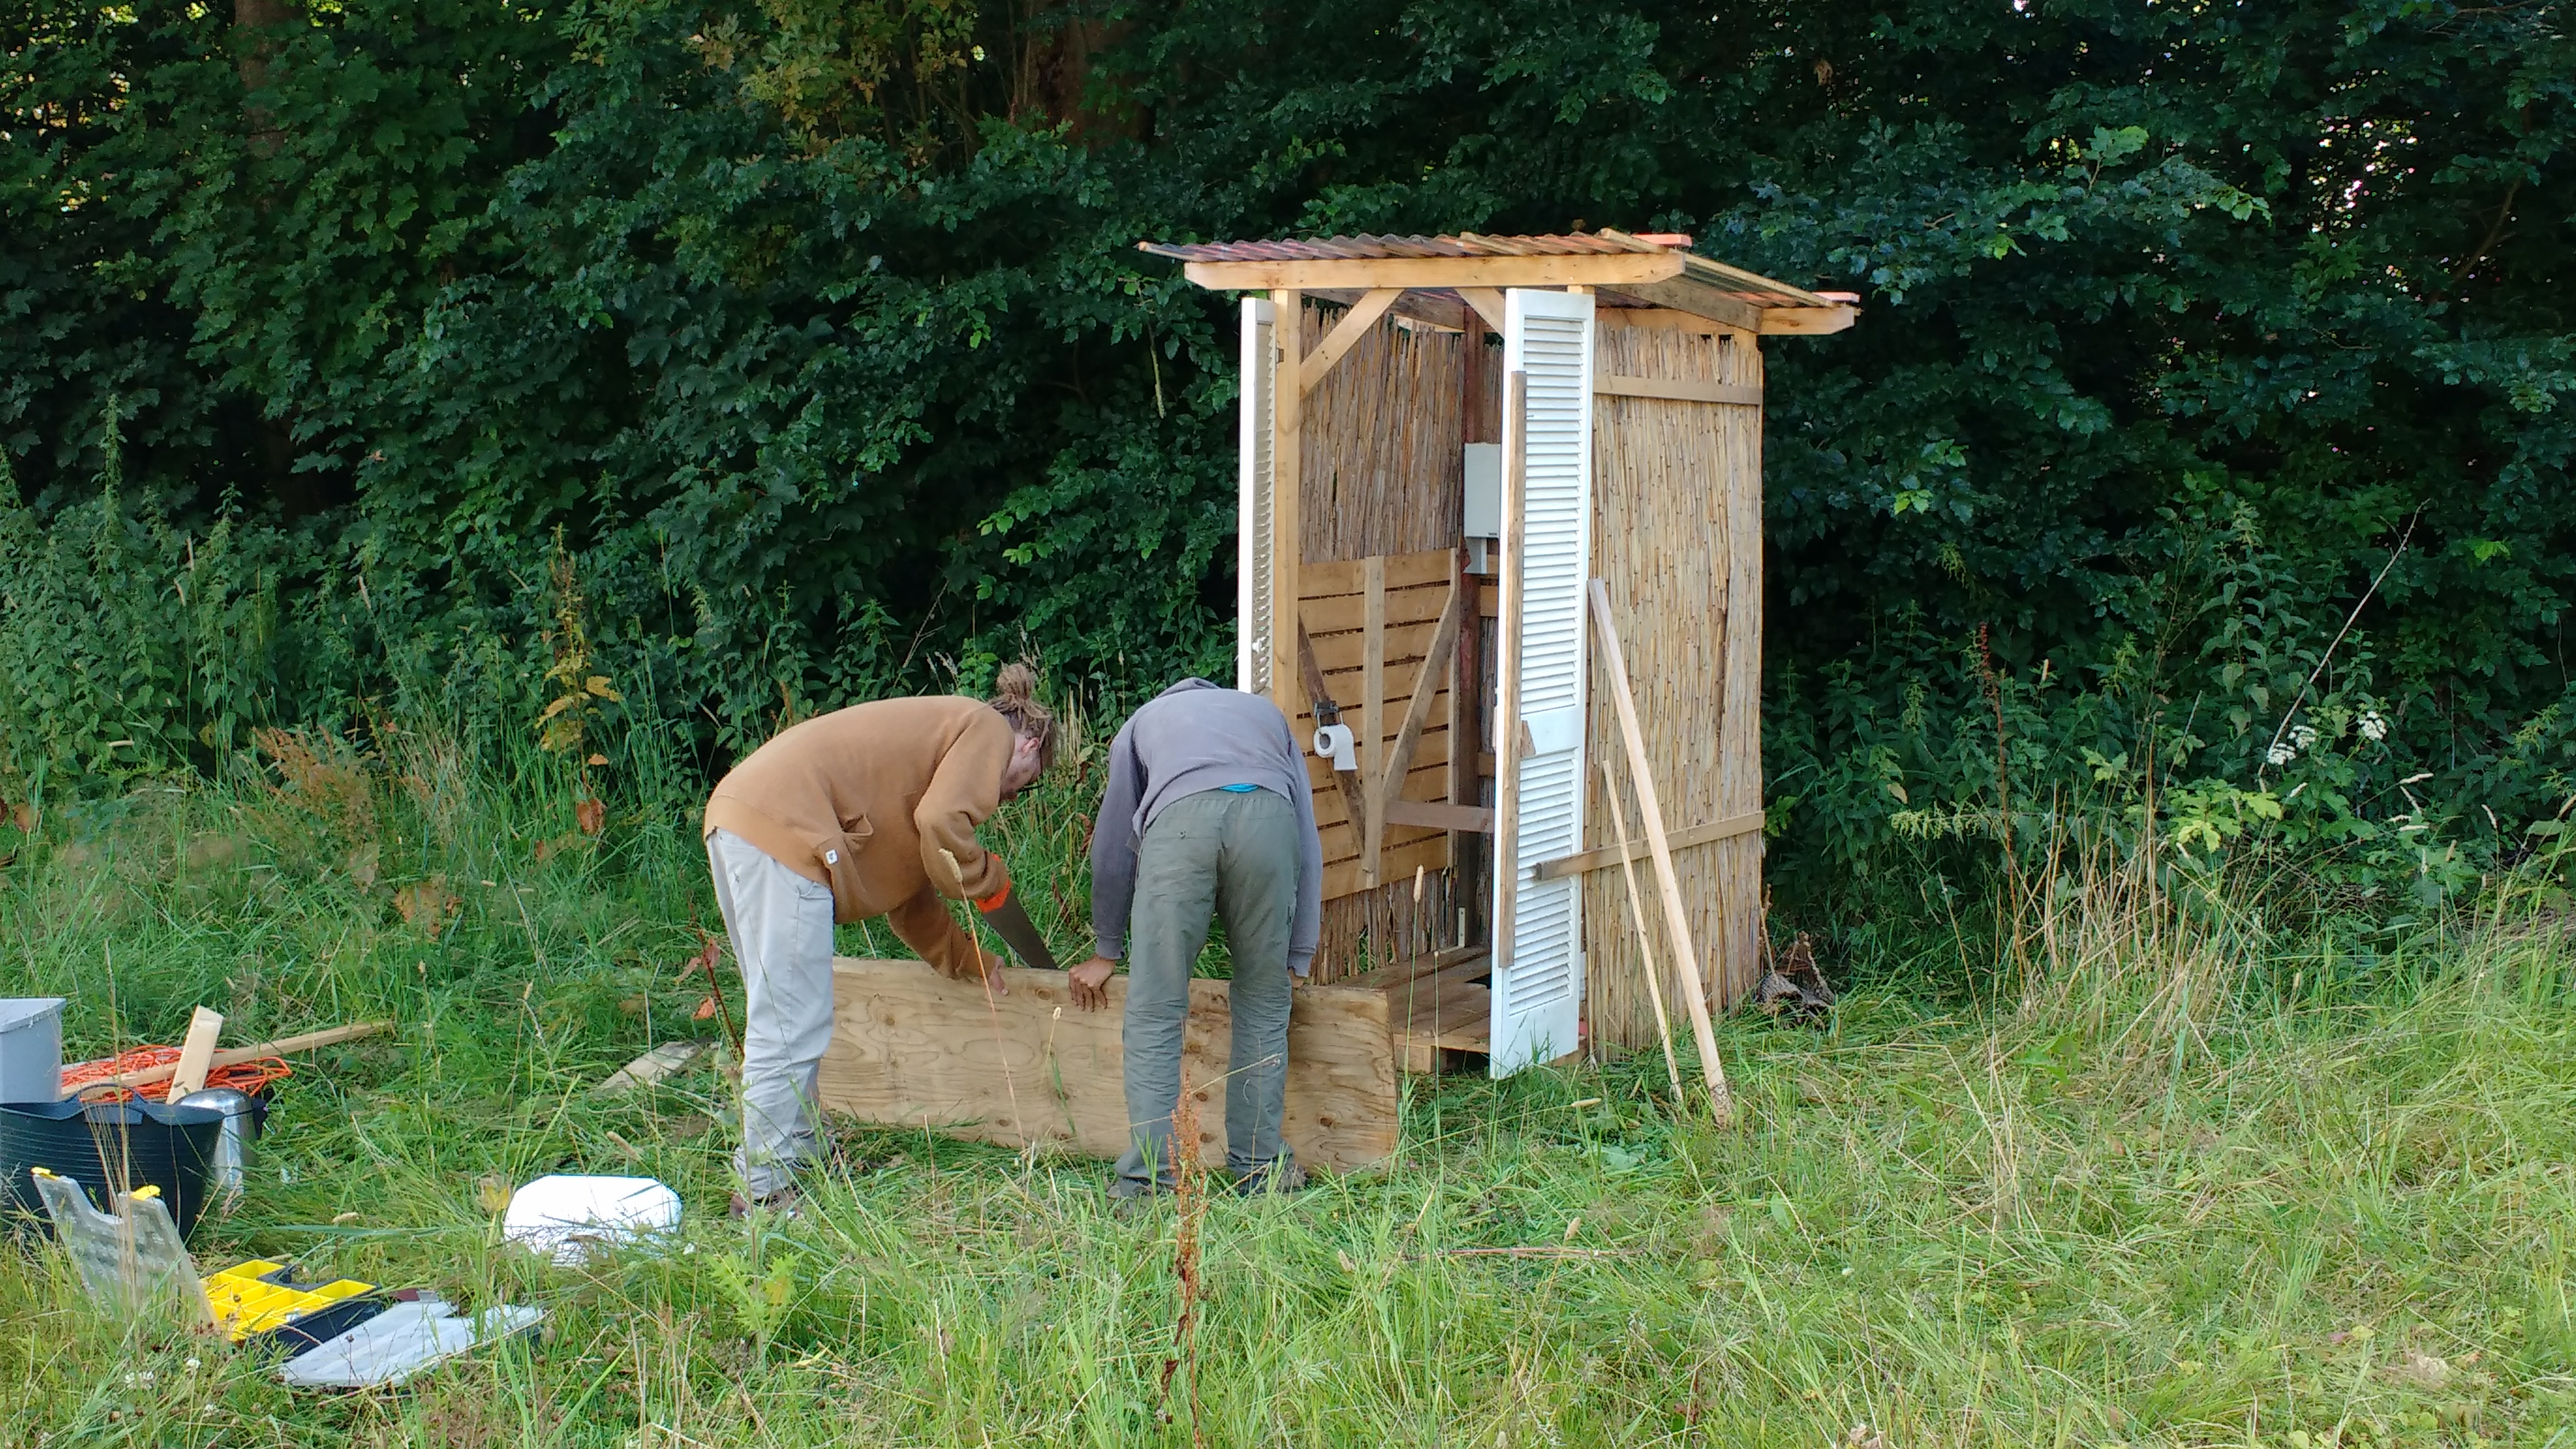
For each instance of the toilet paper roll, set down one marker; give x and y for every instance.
(1334, 743)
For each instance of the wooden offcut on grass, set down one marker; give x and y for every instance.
(2172, 1189)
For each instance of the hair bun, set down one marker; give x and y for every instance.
(1016, 682)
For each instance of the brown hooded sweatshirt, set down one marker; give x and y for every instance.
(863, 800)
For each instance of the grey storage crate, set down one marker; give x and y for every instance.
(31, 1049)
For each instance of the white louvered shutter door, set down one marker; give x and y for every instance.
(1538, 992)
(1256, 481)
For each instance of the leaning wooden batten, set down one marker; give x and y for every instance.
(1372, 373)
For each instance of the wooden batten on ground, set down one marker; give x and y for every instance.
(911, 1048)
(659, 1065)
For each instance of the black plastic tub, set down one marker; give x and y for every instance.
(109, 1147)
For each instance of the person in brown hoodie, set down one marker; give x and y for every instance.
(840, 818)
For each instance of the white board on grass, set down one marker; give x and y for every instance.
(1538, 985)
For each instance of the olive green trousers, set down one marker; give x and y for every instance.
(1215, 853)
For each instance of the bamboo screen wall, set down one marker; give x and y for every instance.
(1381, 471)
(1678, 539)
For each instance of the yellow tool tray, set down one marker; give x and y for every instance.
(255, 1297)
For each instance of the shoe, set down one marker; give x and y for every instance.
(1280, 1176)
(1128, 1197)
(779, 1204)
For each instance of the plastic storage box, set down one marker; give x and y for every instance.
(31, 1049)
(108, 1148)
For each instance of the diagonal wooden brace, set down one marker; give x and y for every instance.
(1354, 795)
(1426, 687)
(1354, 325)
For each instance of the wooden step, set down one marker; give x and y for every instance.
(1447, 1010)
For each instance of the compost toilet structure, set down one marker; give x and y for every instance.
(1444, 439)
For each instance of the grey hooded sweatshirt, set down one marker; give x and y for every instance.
(1198, 736)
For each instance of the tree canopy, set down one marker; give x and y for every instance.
(814, 328)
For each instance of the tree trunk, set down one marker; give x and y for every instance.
(255, 23)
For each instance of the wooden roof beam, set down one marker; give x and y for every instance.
(1667, 319)
(1430, 309)
(1809, 321)
(1649, 280)
(1688, 294)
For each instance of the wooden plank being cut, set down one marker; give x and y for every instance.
(911, 1048)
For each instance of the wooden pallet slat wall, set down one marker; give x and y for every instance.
(911, 1048)
(1403, 596)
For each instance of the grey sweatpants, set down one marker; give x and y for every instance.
(1234, 855)
(781, 925)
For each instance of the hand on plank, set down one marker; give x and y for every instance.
(1090, 982)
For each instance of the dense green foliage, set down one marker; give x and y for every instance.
(816, 331)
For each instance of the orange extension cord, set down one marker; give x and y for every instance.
(252, 1076)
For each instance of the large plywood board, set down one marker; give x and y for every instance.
(911, 1048)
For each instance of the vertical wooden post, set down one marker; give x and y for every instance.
(1373, 715)
(1739, 732)
(1287, 517)
(1507, 668)
(1463, 715)
(1466, 686)
(1471, 411)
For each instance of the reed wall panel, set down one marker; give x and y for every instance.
(1678, 539)
(1381, 467)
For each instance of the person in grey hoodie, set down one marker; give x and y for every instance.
(1207, 811)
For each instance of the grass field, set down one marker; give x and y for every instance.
(2193, 1188)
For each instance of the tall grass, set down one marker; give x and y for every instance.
(2187, 1179)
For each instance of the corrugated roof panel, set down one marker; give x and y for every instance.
(1734, 282)
(1361, 248)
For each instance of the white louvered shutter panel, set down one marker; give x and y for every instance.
(1538, 993)
(1256, 479)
